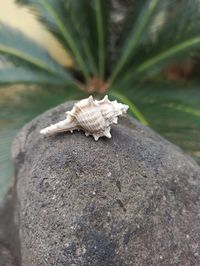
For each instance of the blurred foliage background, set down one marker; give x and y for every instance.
(167, 97)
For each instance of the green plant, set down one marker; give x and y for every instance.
(83, 29)
(132, 73)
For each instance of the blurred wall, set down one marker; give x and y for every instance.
(21, 18)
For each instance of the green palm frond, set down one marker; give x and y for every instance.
(80, 27)
(177, 38)
(173, 112)
(25, 75)
(83, 29)
(134, 110)
(52, 14)
(90, 20)
(27, 62)
(20, 49)
(139, 26)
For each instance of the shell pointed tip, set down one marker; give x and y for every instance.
(108, 135)
(96, 137)
(90, 98)
(105, 99)
(115, 120)
(42, 131)
(126, 107)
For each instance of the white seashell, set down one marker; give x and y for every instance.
(92, 116)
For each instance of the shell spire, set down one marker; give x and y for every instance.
(92, 116)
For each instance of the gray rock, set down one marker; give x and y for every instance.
(9, 241)
(6, 258)
(129, 200)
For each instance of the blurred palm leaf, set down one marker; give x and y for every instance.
(177, 38)
(132, 107)
(10, 75)
(173, 112)
(81, 27)
(19, 49)
(139, 25)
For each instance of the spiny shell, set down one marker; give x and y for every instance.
(92, 116)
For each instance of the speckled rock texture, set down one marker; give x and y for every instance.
(6, 258)
(9, 241)
(129, 200)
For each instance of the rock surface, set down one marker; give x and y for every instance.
(6, 258)
(129, 200)
(9, 242)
